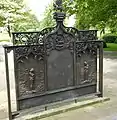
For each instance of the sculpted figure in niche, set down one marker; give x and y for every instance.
(31, 80)
(86, 69)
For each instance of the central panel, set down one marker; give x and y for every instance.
(60, 69)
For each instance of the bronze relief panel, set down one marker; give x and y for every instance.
(86, 67)
(29, 70)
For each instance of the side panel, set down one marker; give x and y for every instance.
(86, 63)
(29, 71)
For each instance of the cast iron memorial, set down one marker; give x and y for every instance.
(55, 64)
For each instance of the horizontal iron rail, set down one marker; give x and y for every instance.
(25, 32)
(14, 46)
(56, 91)
(32, 31)
(51, 27)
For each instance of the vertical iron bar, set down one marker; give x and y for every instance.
(101, 70)
(13, 38)
(96, 69)
(8, 84)
(74, 64)
(45, 66)
(16, 82)
(46, 73)
(17, 92)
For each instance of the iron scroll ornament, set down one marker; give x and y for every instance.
(62, 37)
(90, 47)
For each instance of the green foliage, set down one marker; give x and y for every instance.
(109, 38)
(15, 14)
(30, 22)
(115, 41)
(111, 47)
(93, 13)
(48, 20)
(104, 44)
(10, 9)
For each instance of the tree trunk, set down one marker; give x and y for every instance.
(9, 30)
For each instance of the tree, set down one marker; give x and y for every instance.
(16, 15)
(47, 20)
(28, 23)
(93, 13)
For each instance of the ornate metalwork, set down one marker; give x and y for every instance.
(58, 5)
(28, 74)
(83, 47)
(30, 38)
(59, 42)
(87, 35)
(86, 57)
(24, 52)
(58, 62)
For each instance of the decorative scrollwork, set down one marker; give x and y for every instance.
(30, 38)
(87, 35)
(83, 47)
(24, 52)
(73, 31)
(27, 38)
(59, 42)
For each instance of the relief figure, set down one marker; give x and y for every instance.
(31, 80)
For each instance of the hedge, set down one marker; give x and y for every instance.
(109, 38)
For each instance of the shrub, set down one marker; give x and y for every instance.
(115, 41)
(104, 44)
(109, 38)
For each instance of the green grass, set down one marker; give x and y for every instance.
(111, 47)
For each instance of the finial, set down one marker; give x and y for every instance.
(59, 15)
(58, 5)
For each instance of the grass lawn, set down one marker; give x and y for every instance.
(111, 47)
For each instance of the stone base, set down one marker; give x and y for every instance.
(59, 107)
